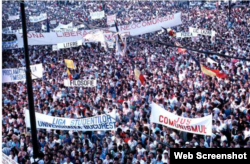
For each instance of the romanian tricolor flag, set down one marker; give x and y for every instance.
(69, 74)
(213, 72)
(139, 76)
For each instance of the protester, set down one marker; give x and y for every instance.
(172, 80)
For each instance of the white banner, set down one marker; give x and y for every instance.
(161, 116)
(202, 31)
(7, 160)
(54, 48)
(70, 25)
(69, 44)
(97, 15)
(10, 45)
(96, 36)
(97, 123)
(53, 22)
(12, 18)
(111, 19)
(64, 30)
(80, 83)
(185, 34)
(133, 29)
(41, 17)
(18, 74)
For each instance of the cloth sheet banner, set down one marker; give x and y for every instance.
(202, 31)
(97, 15)
(10, 75)
(41, 17)
(80, 83)
(14, 17)
(97, 123)
(111, 19)
(69, 44)
(133, 29)
(161, 116)
(185, 34)
(53, 22)
(7, 160)
(10, 45)
(97, 36)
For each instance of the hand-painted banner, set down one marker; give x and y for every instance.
(96, 36)
(161, 116)
(7, 160)
(133, 29)
(80, 83)
(10, 45)
(185, 34)
(97, 123)
(41, 17)
(202, 31)
(97, 15)
(10, 75)
(111, 19)
(12, 18)
(69, 44)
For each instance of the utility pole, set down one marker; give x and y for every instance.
(229, 10)
(29, 84)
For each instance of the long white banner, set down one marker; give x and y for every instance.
(7, 160)
(18, 74)
(80, 83)
(41, 17)
(201, 31)
(97, 15)
(133, 29)
(96, 123)
(161, 116)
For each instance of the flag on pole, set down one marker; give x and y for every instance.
(139, 76)
(69, 74)
(69, 63)
(212, 72)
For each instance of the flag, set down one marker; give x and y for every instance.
(209, 60)
(139, 76)
(180, 50)
(125, 47)
(212, 72)
(69, 74)
(47, 24)
(69, 63)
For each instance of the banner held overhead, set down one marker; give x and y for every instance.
(161, 116)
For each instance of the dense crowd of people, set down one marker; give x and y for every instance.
(173, 81)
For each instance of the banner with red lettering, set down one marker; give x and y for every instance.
(111, 19)
(133, 29)
(161, 116)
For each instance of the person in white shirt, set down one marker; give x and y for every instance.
(132, 143)
(165, 156)
(140, 149)
(246, 132)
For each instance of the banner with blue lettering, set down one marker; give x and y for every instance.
(10, 45)
(18, 74)
(97, 123)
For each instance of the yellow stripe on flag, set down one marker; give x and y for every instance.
(69, 63)
(207, 71)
